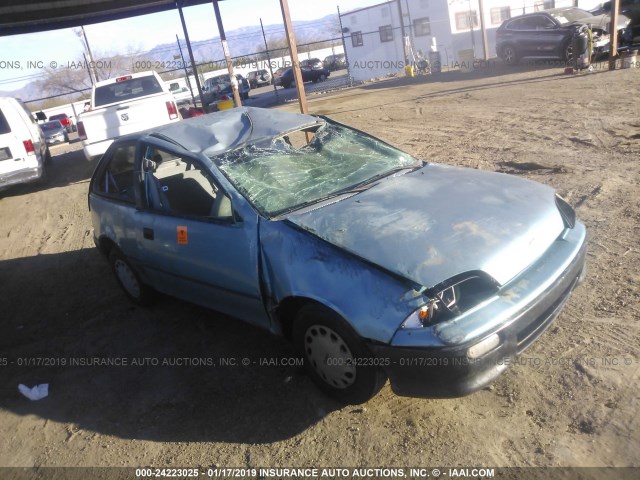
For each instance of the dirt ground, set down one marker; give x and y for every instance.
(572, 399)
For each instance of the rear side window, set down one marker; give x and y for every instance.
(117, 179)
(127, 90)
(4, 125)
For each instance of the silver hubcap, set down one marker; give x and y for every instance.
(508, 55)
(127, 278)
(330, 356)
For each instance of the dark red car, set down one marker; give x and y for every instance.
(65, 120)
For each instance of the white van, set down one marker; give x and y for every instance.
(23, 150)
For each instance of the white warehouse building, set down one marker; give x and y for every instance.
(373, 35)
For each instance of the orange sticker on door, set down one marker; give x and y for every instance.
(183, 236)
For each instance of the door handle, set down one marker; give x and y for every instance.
(147, 233)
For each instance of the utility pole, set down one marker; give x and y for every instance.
(93, 82)
(293, 48)
(193, 62)
(227, 55)
(266, 48)
(91, 65)
(483, 29)
(186, 73)
(344, 49)
(473, 38)
(402, 32)
(613, 45)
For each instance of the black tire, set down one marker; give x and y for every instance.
(322, 78)
(335, 357)
(510, 55)
(47, 157)
(128, 278)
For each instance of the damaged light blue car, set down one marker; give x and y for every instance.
(373, 263)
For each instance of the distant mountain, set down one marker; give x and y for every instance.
(244, 41)
(249, 40)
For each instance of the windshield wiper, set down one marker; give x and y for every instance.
(370, 182)
(351, 190)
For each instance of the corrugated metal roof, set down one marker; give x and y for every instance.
(28, 16)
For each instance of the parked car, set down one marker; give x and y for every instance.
(54, 132)
(258, 78)
(372, 262)
(548, 34)
(335, 62)
(66, 121)
(122, 105)
(286, 80)
(311, 63)
(180, 92)
(216, 87)
(23, 149)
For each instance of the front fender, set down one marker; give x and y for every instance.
(295, 263)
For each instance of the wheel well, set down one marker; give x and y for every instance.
(502, 47)
(105, 245)
(287, 310)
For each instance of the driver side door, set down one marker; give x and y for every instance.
(194, 243)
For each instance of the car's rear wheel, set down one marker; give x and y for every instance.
(128, 278)
(335, 357)
(509, 55)
(322, 78)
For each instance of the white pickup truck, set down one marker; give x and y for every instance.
(124, 105)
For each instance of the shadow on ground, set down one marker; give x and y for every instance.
(196, 399)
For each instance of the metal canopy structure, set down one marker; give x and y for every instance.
(31, 16)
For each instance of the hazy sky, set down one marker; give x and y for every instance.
(143, 33)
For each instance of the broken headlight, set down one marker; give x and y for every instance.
(452, 298)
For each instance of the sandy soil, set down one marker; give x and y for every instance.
(572, 400)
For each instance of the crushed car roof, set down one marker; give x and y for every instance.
(218, 132)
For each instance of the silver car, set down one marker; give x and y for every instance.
(54, 132)
(373, 263)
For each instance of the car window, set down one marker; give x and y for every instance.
(117, 179)
(538, 22)
(181, 186)
(126, 88)
(518, 24)
(4, 125)
(54, 125)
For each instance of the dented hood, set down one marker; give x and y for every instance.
(439, 221)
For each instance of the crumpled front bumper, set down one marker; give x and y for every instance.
(447, 371)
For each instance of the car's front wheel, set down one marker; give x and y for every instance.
(568, 53)
(510, 55)
(335, 357)
(128, 278)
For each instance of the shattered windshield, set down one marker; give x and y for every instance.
(279, 177)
